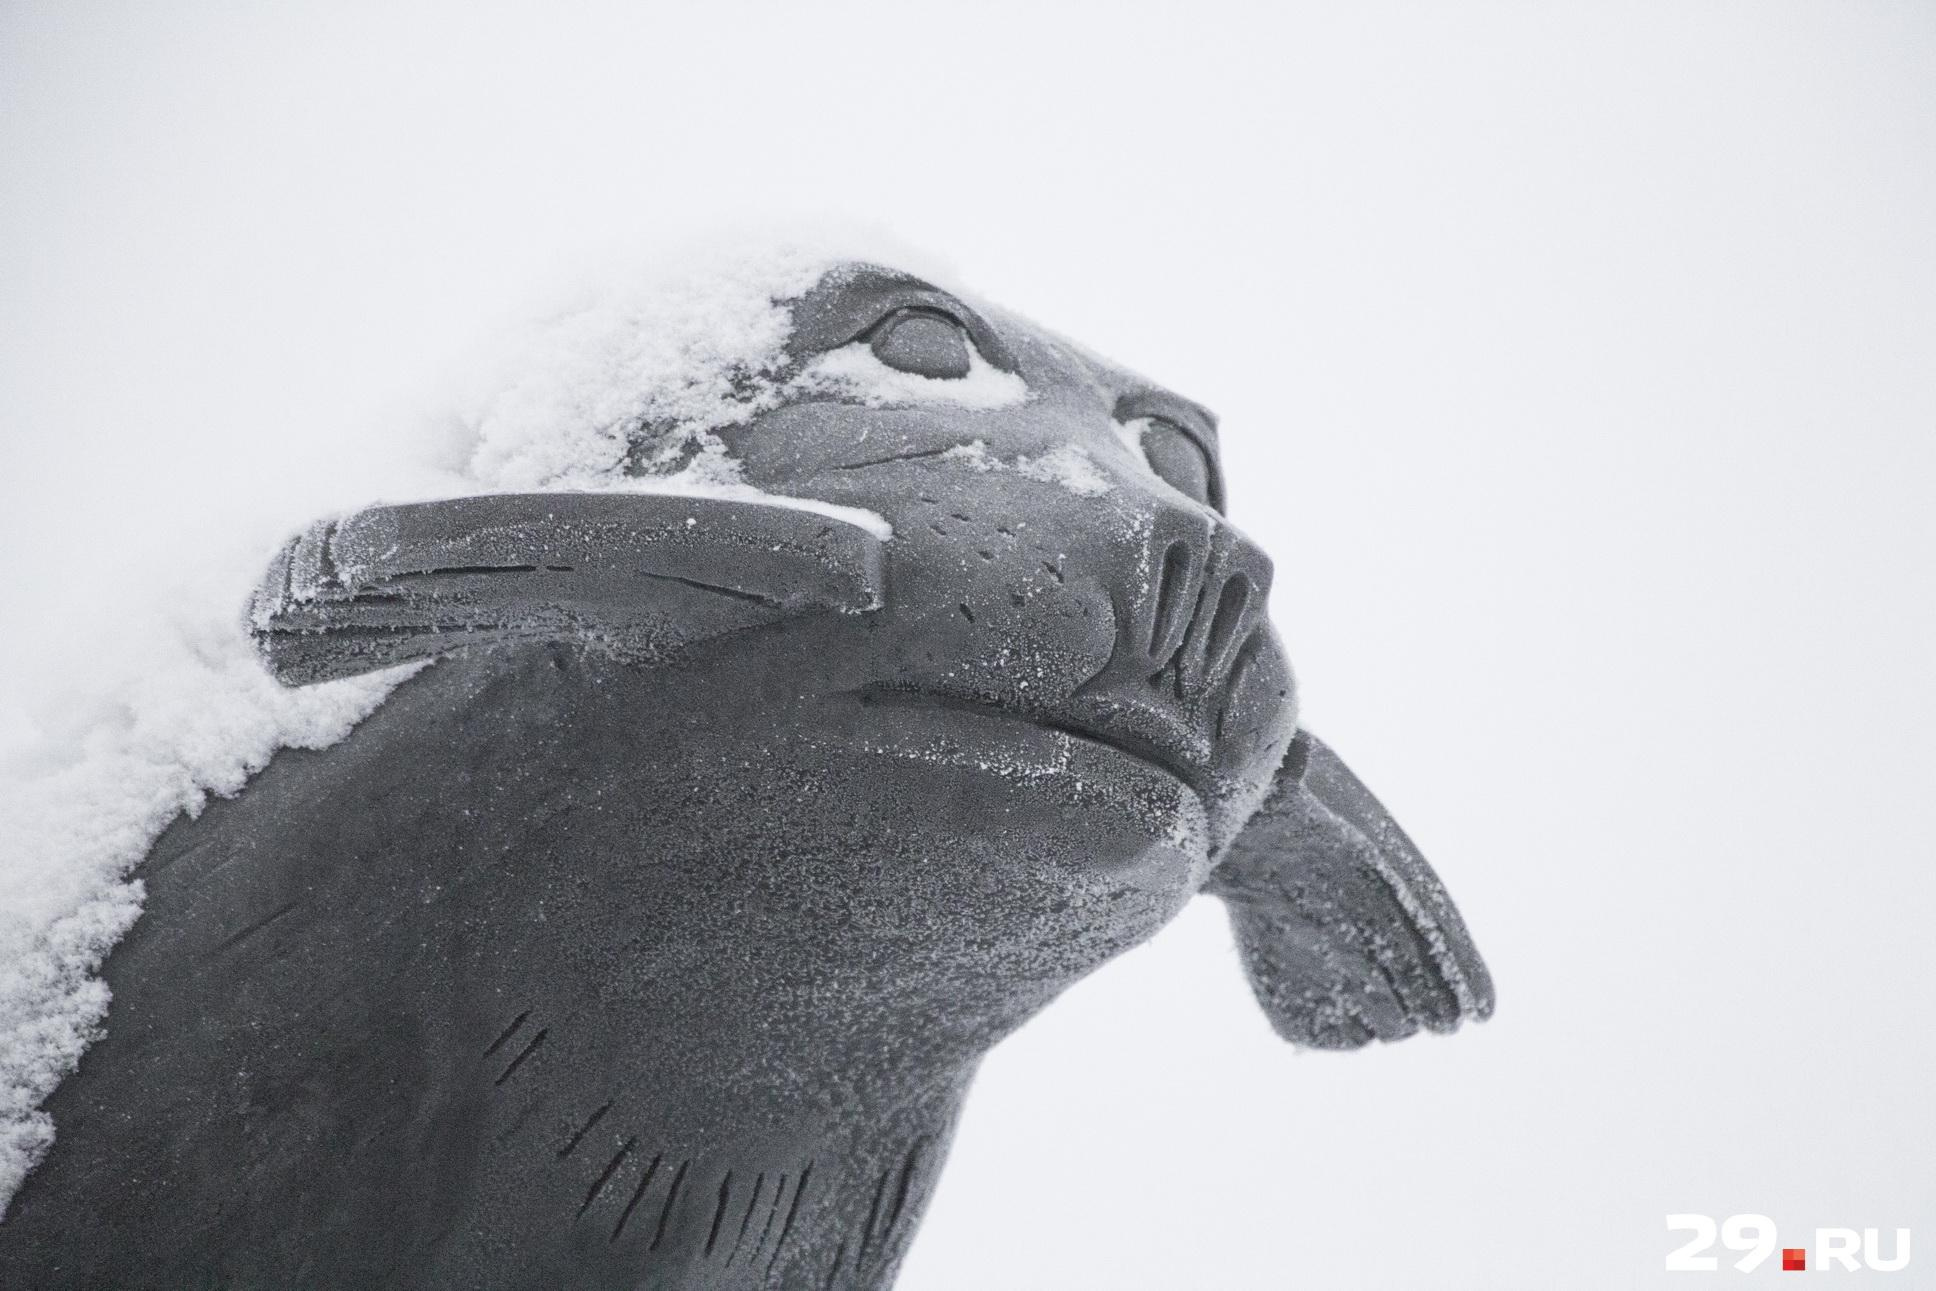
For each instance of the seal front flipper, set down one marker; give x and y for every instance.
(1345, 932)
(641, 574)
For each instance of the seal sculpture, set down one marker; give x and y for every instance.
(652, 933)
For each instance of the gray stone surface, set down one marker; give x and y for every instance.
(652, 935)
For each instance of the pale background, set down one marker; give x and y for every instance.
(1575, 364)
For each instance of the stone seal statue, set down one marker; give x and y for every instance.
(652, 933)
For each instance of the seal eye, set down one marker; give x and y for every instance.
(1177, 458)
(923, 342)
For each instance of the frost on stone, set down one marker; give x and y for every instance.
(687, 484)
(1068, 465)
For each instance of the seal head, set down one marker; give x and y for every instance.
(1058, 555)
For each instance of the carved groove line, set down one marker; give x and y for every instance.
(604, 1176)
(746, 1220)
(908, 1168)
(719, 1212)
(766, 1229)
(529, 1049)
(236, 939)
(672, 1200)
(572, 1144)
(645, 1181)
(799, 1192)
(873, 1215)
(507, 1033)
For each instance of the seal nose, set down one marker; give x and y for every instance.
(1196, 665)
(1202, 616)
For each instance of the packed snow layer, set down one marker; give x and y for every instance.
(621, 390)
(636, 375)
(639, 373)
(200, 719)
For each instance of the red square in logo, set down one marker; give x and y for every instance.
(1794, 1259)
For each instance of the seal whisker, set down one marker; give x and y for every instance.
(772, 1213)
(604, 1176)
(799, 1191)
(523, 1053)
(907, 1181)
(719, 1214)
(746, 1220)
(583, 1130)
(672, 1200)
(645, 1181)
(897, 457)
(507, 1033)
(873, 1214)
(237, 938)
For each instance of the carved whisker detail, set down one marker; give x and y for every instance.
(746, 1220)
(524, 1053)
(571, 1144)
(598, 1184)
(793, 1211)
(672, 1200)
(645, 1181)
(907, 1181)
(873, 1214)
(507, 1033)
(719, 1213)
(772, 1213)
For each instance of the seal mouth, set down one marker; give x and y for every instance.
(1148, 752)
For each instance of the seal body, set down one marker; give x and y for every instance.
(652, 935)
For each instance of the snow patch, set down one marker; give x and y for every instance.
(200, 718)
(639, 376)
(856, 371)
(1131, 433)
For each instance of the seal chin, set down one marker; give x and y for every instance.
(1149, 814)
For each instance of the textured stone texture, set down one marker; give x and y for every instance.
(652, 935)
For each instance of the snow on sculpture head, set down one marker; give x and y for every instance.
(636, 376)
(1052, 529)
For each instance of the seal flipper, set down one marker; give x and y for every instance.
(638, 573)
(1345, 932)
